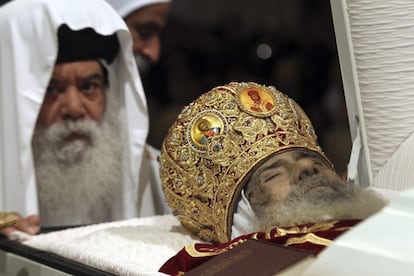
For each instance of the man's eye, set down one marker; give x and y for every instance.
(318, 162)
(52, 90)
(147, 31)
(270, 177)
(89, 87)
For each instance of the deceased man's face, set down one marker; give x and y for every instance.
(298, 186)
(273, 180)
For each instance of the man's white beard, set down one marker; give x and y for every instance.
(331, 200)
(76, 181)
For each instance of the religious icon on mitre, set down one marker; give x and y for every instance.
(257, 101)
(204, 126)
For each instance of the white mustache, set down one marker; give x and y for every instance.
(59, 131)
(339, 189)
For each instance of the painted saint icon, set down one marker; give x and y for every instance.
(205, 125)
(208, 131)
(257, 101)
(258, 104)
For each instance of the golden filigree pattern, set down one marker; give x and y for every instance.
(216, 141)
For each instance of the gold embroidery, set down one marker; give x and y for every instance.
(320, 226)
(310, 237)
(285, 231)
(343, 229)
(206, 251)
(268, 233)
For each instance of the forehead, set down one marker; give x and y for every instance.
(291, 155)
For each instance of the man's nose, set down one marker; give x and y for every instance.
(72, 107)
(151, 49)
(305, 168)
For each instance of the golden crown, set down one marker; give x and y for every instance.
(214, 144)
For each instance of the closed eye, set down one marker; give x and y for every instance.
(270, 177)
(319, 162)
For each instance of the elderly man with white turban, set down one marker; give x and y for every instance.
(145, 20)
(73, 117)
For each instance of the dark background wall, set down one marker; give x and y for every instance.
(286, 43)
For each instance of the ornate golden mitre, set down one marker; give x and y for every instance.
(214, 144)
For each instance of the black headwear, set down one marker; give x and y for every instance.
(85, 44)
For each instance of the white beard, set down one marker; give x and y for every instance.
(77, 181)
(332, 201)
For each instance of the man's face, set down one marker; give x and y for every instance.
(76, 91)
(297, 187)
(275, 178)
(145, 26)
(76, 145)
(73, 107)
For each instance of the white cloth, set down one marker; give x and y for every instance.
(243, 218)
(375, 46)
(151, 199)
(130, 247)
(28, 49)
(125, 7)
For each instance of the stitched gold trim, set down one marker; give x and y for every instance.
(310, 237)
(320, 226)
(206, 252)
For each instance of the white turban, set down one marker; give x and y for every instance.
(125, 7)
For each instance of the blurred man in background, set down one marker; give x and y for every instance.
(145, 20)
